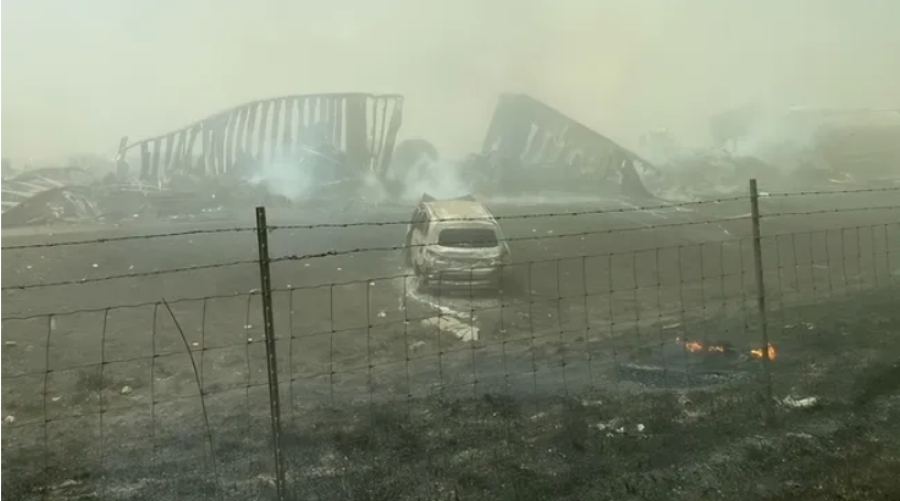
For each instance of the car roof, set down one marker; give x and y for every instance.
(459, 209)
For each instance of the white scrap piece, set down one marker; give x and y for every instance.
(801, 403)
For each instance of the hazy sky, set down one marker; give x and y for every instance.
(78, 74)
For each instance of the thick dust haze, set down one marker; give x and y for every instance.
(79, 75)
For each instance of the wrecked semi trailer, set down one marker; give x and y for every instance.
(531, 148)
(337, 140)
(351, 134)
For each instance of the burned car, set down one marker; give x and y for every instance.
(454, 244)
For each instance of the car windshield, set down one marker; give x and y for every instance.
(467, 237)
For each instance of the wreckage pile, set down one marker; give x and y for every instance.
(340, 150)
(313, 151)
(76, 195)
(286, 151)
(44, 196)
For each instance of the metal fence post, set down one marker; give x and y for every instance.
(262, 235)
(761, 300)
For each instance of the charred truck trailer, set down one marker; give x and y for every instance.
(336, 136)
(340, 139)
(532, 148)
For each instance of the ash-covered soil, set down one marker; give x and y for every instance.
(384, 397)
(617, 440)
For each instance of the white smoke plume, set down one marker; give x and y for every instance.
(441, 179)
(287, 179)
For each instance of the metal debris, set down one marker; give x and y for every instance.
(800, 403)
(44, 196)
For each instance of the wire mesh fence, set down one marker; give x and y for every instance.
(116, 395)
(596, 368)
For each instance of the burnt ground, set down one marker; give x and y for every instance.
(383, 400)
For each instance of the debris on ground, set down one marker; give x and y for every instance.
(800, 403)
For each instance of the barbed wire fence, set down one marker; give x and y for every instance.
(375, 386)
(98, 399)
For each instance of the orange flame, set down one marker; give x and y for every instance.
(693, 346)
(696, 346)
(772, 352)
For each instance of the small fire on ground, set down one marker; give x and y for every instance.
(758, 353)
(698, 347)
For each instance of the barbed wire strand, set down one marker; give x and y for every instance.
(334, 252)
(830, 211)
(507, 217)
(787, 194)
(310, 226)
(603, 211)
(126, 238)
(388, 248)
(737, 240)
(168, 271)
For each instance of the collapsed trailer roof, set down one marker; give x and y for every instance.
(532, 129)
(529, 135)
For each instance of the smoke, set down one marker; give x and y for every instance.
(286, 179)
(440, 179)
(773, 137)
(614, 65)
